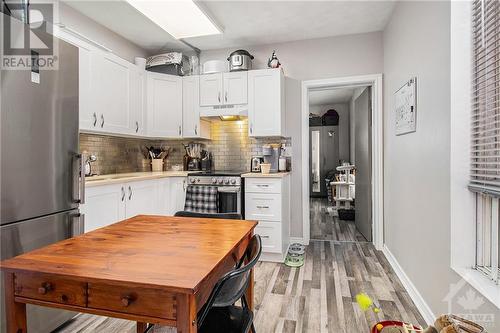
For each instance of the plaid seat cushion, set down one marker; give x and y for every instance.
(201, 199)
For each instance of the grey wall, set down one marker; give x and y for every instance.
(307, 60)
(417, 165)
(344, 125)
(93, 30)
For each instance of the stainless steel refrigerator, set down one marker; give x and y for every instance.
(40, 165)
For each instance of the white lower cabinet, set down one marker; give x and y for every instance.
(104, 205)
(108, 204)
(267, 200)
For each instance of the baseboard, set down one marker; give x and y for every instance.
(297, 240)
(417, 298)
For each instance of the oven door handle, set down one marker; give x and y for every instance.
(229, 189)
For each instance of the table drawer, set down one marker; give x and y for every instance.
(262, 185)
(263, 206)
(128, 299)
(270, 233)
(50, 288)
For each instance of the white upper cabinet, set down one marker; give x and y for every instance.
(137, 100)
(211, 86)
(266, 102)
(235, 88)
(192, 125)
(224, 88)
(110, 92)
(88, 117)
(164, 105)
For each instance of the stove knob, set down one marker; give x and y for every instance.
(233, 181)
(214, 180)
(193, 180)
(220, 181)
(198, 180)
(226, 181)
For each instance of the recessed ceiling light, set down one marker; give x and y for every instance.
(180, 18)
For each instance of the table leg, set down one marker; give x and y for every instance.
(249, 292)
(186, 314)
(15, 312)
(141, 327)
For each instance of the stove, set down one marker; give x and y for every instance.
(227, 178)
(230, 197)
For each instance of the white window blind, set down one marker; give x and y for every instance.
(485, 131)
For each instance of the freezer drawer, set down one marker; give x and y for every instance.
(21, 237)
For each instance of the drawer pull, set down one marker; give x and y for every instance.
(263, 207)
(45, 288)
(262, 185)
(266, 237)
(127, 300)
(64, 298)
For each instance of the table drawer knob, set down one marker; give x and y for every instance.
(127, 300)
(45, 288)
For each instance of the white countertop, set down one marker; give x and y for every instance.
(265, 175)
(130, 177)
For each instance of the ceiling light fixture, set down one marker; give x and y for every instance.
(180, 18)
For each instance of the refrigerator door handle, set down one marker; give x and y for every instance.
(79, 173)
(77, 226)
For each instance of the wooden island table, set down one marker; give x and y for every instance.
(149, 269)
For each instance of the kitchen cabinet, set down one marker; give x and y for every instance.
(110, 92)
(140, 198)
(137, 101)
(267, 200)
(224, 89)
(164, 105)
(192, 125)
(235, 88)
(211, 86)
(88, 118)
(266, 102)
(104, 205)
(178, 186)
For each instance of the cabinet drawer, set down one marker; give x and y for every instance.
(51, 289)
(262, 185)
(263, 206)
(127, 299)
(270, 233)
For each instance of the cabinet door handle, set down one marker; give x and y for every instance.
(129, 193)
(218, 96)
(251, 128)
(95, 119)
(180, 130)
(102, 120)
(136, 126)
(123, 194)
(184, 185)
(195, 129)
(225, 96)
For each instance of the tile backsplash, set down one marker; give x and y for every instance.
(230, 146)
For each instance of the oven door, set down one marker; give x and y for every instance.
(229, 198)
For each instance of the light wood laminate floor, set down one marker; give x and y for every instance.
(325, 226)
(318, 297)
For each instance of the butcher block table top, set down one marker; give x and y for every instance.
(180, 256)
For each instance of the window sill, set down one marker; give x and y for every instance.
(481, 283)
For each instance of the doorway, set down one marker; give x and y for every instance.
(342, 196)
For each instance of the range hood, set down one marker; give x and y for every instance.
(225, 112)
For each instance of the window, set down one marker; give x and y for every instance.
(485, 131)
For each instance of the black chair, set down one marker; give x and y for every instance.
(228, 216)
(220, 314)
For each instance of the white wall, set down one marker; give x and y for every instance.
(307, 60)
(93, 30)
(344, 124)
(417, 165)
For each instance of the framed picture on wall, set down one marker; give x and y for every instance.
(406, 107)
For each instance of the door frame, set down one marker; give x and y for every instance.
(375, 81)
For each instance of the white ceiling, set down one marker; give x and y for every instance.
(331, 96)
(246, 23)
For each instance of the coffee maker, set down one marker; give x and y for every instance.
(271, 155)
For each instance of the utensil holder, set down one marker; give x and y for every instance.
(157, 164)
